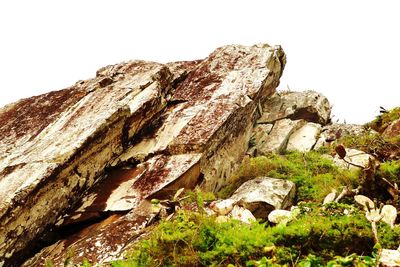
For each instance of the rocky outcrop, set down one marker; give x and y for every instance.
(95, 152)
(308, 105)
(290, 121)
(58, 144)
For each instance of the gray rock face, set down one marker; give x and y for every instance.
(259, 138)
(304, 138)
(159, 127)
(263, 194)
(308, 105)
(290, 121)
(278, 137)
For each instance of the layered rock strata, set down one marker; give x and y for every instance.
(157, 127)
(57, 145)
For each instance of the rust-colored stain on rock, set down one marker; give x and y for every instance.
(31, 115)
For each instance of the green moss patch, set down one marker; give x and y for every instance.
(314, 175)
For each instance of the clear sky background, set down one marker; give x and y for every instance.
(348, 50)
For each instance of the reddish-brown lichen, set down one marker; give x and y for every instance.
(153, 176)
(31, 115)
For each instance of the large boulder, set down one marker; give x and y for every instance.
(307, 105)
(157, 127)
(264, 194)
(290, 121)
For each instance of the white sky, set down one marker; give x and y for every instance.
(348, 50)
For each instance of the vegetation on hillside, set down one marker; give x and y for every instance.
(334, 234)
(337, 234)
(382, 147)
(381, 122)
(314, 175)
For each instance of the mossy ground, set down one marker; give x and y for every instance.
(339, 234)
(194, 239)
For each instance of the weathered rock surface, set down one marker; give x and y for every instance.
(56, 145)
(259, 138)
(215, 110)
(99, 242)
(278, 137)
(389, 258)
(308, 105)
(304, 138)
(290, 121)
(160, 127)
(263, 194)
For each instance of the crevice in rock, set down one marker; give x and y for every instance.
(174, 102)
(67, 233)
(70, 230)
(305, 114)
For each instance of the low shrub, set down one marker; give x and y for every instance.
(381, 122)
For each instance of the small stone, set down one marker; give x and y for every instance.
(222, 207)
(242, 214)
(389, 214)
(329, 198)
(364, 201)
(280, 216)
(389, 258)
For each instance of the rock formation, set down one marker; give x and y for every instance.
(82, 168)
(94, 152)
